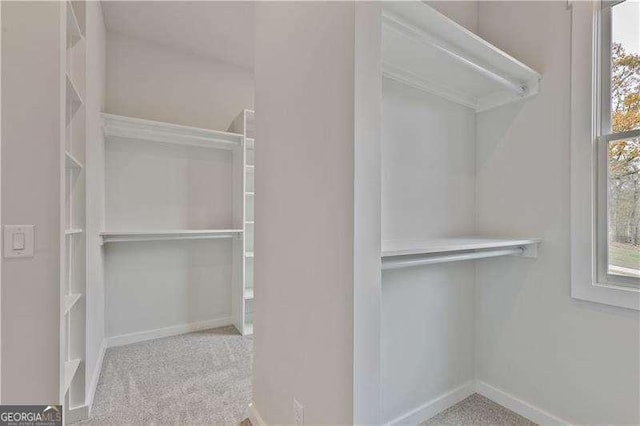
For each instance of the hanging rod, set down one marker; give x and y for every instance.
(421, 36)
(410, 261)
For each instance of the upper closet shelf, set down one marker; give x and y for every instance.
(136, 128)
(167, 234)
(426, 50)
(403, 254)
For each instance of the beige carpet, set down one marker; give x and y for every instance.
(477, 410)
(196, 378)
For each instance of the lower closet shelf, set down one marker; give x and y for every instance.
(167, 234)
(407, 253)
(70, 368)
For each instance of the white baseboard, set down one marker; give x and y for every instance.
(448, 399)
(141, 336)
(95, 378)
(77, 414)
(436, 405)
(255, 417)
(518, 406)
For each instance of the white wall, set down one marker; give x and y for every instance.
(95, 162)
(304, 69)
(149, 81)
(576, 360)
(158, 186)
(428, 191)
(31, 195)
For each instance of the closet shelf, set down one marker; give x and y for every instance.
(70, 300)
(70, 162)
(403, 254)
(139, 129)
(74, 34)
(248, 254)
(428, 51)
(70, 368)
(167, 234)
(74, 101)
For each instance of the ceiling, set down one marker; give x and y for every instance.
(222, 31)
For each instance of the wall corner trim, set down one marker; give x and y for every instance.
(95, 378)
(531, 412)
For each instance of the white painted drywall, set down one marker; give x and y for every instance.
(159, 186)
(31, 195)
(577, 360)
(428, 191)
(145, 80)
(304, 69)
(367, 212)
(95, 164)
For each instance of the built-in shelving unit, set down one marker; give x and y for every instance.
(72, 205)
(404, 254)
(244, 291)
(428, 51)
(171, 187)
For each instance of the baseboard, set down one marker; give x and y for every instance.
(95, 378)
(255, 417)
(518, 406)
(436, 405)
(77, 414)
(141, 336)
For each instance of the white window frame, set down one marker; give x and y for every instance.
(590, 279)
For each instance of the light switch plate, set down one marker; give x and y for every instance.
(18, 241)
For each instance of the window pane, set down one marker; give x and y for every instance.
(625, 66)
(624, 207)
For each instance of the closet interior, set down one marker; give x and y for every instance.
(173, 233)
(440, 84)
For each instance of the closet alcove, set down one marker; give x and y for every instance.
(440, 84)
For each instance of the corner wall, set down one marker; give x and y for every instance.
(574, 359)
(304, 68)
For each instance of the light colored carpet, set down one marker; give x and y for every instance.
(477, 410)
(196, 378)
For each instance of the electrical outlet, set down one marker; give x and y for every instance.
(298, 413)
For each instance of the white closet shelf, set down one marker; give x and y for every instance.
(74, 101)
(167, 234)
(148, 130)
(70, 300)
(70, 162)
(73, 231)
(249, 222)
(403, 253)
(74, 34)
(426, 50)
(248, 254)
(70, 368)
(250, 193)
(250, 167)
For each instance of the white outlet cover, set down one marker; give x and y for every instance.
(23, 236)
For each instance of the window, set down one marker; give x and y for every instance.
(618, 144)
(605, 152)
